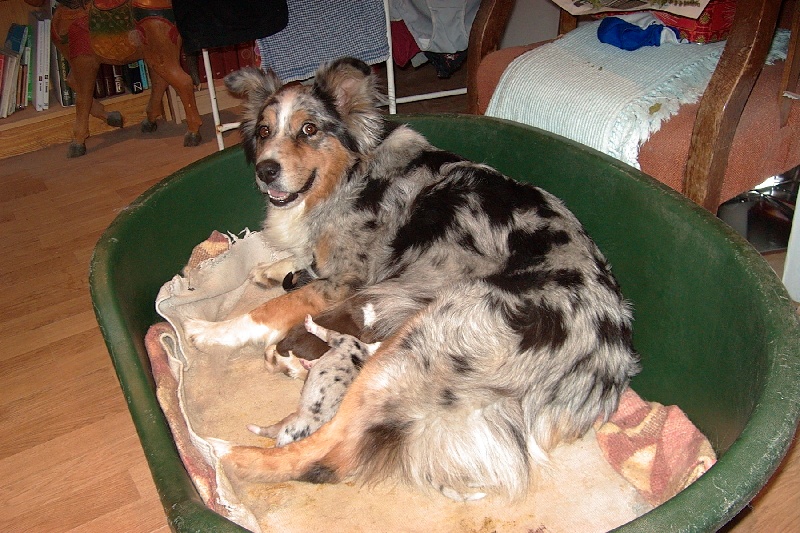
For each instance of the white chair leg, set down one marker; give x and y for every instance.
(791, 268)
(212, 93)
(390, 87)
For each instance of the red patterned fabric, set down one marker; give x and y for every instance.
(404, 47)
(713, 24)
(78, 36)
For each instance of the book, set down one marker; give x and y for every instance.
(24, 96)
(145, 74)
(217, 58)
(2, 64)
(16, 37)
(230, 60)
(133, 77)
(8, 98)
(40, 58)
(248, 56)
(119, 82)
(59, 70)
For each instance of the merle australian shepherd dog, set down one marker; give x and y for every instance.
(503, 330)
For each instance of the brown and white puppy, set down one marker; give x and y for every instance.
(503, 330)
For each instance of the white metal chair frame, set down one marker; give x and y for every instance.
(393, 100)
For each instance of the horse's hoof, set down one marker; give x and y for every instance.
(114, 119)
(76, 150)
(149, 127)
(191, 139)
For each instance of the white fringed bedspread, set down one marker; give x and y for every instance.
(599, 95)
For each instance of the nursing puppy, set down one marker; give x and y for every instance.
(326, 382)
(503, 330)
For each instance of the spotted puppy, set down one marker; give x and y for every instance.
(325, 386)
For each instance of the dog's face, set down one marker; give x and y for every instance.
(303, 139)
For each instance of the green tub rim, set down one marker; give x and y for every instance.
(704, 506)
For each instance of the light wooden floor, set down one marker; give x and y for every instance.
(69, 456)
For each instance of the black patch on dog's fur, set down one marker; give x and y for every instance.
(301, 433)
(432, 160)
(371, 195)
(568, 278)
(612, 332)
(461, 363)
(448, 397)
(539, 326)
(434, 215)
(530, 248)
(319, 473)
(357, 361)
(500, 197)
(383, 443)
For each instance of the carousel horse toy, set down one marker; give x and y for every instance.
(118, 32)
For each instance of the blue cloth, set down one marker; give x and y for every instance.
(320, 31)
(627, 36)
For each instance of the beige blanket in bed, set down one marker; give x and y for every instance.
(644, 455)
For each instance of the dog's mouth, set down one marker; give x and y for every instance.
(280, 198)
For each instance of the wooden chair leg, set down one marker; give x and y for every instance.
(487, 31)
(724, 99)
(566, 22)
(791, 71)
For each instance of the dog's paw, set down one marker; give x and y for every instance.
(221, 447)
(271, 274)
(250, 463)
(290, 365)
(233, 333)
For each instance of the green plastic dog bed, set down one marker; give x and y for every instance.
(716, 330)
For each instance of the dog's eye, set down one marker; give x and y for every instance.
(263, 132)
(309, 129)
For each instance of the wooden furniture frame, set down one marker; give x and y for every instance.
(722, 103)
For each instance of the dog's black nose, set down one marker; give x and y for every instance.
(268, 170)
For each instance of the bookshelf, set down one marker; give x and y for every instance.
(28, 130)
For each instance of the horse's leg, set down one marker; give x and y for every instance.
(112, 118)
(83, 71)
(155, 106)
(162, 55)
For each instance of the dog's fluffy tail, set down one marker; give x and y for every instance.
(463, 455)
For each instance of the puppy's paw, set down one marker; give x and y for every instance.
(271, 274)
(270, 432)
(234, 333)
(453, 494)
(290, 365)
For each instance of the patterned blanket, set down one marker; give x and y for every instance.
(321, 31)
(641, 457)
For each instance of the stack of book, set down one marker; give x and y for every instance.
(112, 80)
(226, 60)
(25, 59)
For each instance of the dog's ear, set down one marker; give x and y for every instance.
(352, 88)
(252, 84)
